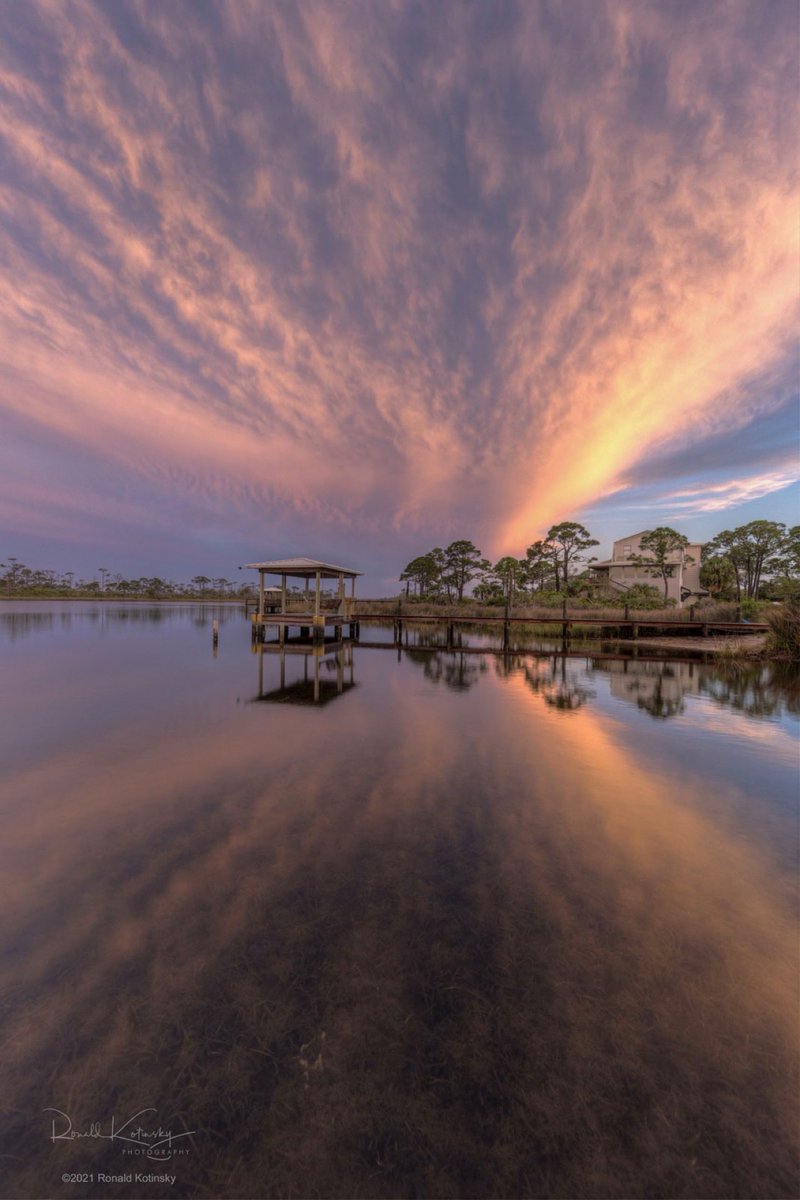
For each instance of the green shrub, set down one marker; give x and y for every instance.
(641, 595)
(781, 589)
(751, 609)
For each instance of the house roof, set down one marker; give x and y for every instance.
(303, 568)
(630, 536)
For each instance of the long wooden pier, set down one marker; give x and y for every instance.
(313, 625)
(567, 623)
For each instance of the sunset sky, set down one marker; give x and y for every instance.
(352, 280)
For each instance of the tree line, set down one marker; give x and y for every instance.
(737, 564)
(741, 562)
(549, 564)
(761, 558)
(17, 579)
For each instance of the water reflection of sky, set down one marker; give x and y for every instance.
(475, 926)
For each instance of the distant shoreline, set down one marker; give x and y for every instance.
(117, 600)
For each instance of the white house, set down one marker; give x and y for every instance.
(622, 573)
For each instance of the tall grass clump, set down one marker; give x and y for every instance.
(784, 635)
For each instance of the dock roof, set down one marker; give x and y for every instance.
(303, 568)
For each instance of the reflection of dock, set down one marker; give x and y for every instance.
(327, 672)
(620, 654)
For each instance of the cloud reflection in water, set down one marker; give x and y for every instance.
(438, 942)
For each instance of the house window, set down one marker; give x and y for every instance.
(627, 549)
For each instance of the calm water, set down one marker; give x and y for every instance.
(470, 925)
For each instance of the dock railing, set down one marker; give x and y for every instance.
(700, 620)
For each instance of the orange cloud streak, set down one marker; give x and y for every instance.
(339, 328)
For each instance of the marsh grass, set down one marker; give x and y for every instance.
(576, 607)
(784, 635)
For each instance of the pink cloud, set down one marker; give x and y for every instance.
(389, 286)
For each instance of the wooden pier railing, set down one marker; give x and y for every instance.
(567, 622)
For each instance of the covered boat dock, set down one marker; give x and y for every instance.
(310, 614)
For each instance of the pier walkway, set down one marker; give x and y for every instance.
(566, 624)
